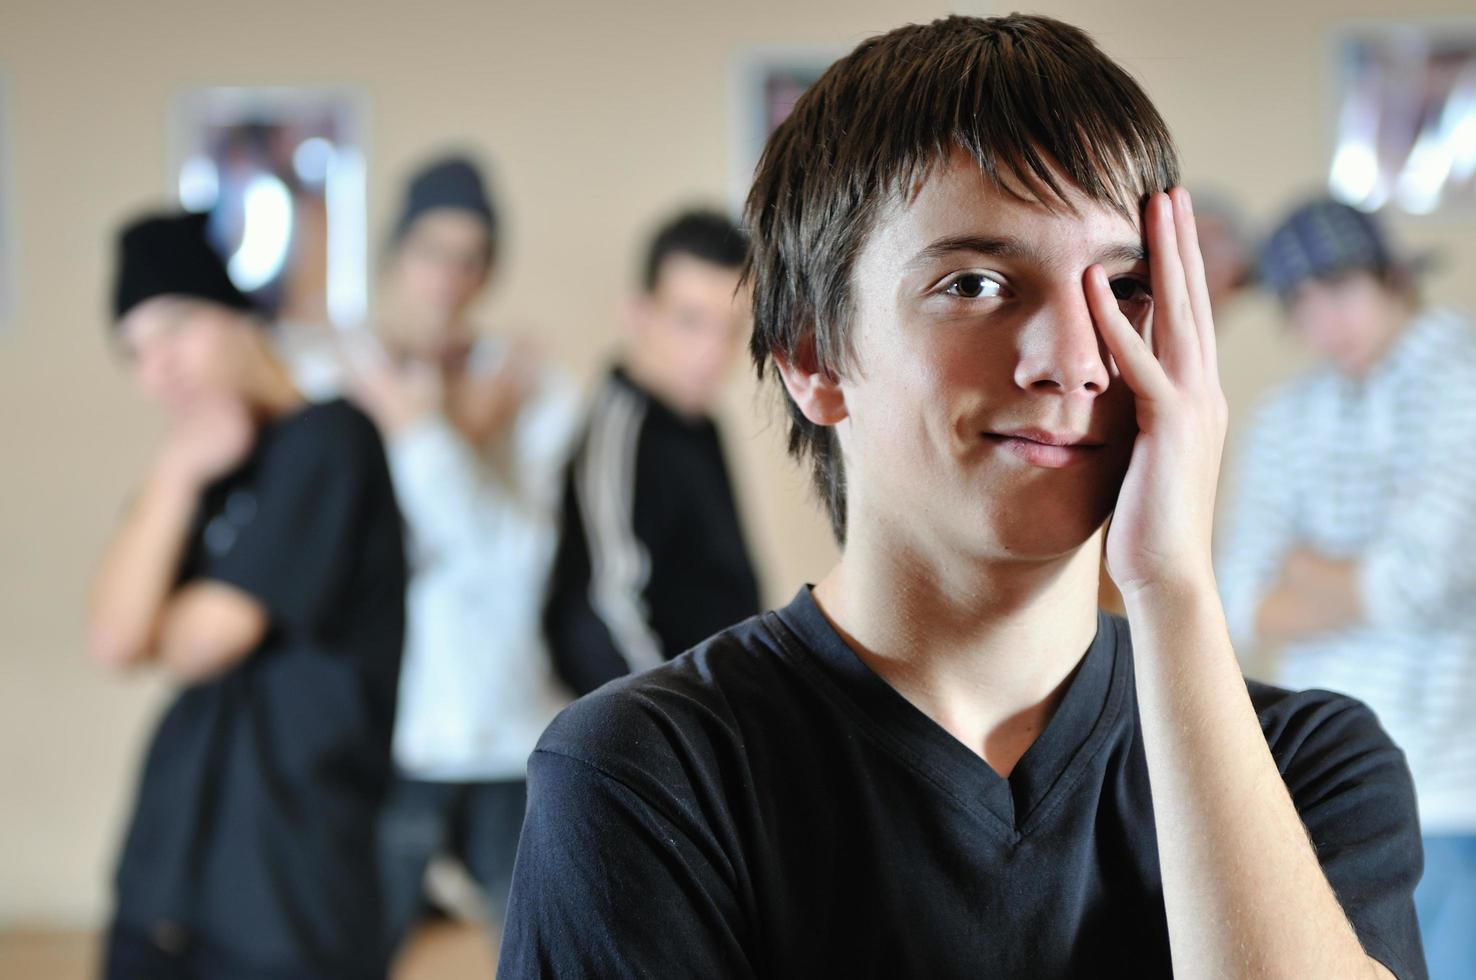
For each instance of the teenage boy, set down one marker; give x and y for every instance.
(261, 566)
(478, 430)
(942, 761)
(1350, 559)
(651, 557)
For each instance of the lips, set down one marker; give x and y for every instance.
(1044, 448)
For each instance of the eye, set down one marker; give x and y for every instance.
(973, 285)
(1131, 290)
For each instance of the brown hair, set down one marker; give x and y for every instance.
(1029, 98)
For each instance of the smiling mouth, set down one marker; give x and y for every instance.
(1045, 449)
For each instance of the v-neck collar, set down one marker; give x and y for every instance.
(1045, 774)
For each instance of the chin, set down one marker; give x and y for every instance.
(1034, 527)
(1045, 544)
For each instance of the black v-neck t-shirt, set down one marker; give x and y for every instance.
(767, 806)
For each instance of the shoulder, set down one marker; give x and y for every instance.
(1314, 731)
(617, 412)
(1448, 359)
(687, 715)
(323, 451)
(335, 429)
(1448, 334)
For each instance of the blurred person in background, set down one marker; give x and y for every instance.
(1349, 558)
(478, 429)
(652, 557)
(261, 566)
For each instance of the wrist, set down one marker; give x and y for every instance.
(1186, 591)
(177, 477)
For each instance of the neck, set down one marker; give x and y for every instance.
(984, 648)
(408, 334)
(270, 390)
(649, 377)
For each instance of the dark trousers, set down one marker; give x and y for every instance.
(477, 823)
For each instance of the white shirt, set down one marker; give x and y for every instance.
(1381, 471)
(477, 685)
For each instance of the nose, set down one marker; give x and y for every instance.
(1061, 350)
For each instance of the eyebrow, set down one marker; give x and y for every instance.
(1008, 247)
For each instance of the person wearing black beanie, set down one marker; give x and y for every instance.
(260, 565)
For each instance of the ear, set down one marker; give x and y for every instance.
(814, 389)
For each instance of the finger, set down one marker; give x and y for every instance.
(1135, 361)
(1192, 259)
(1175, 339)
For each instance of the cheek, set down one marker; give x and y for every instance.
(908, 410)
(1319, 330)
(149, 378)
(210, 360)
(1370, 328)
(427, 279)
(467, 279)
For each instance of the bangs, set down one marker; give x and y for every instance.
(1040, 117)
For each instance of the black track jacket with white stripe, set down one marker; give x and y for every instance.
(651, 558)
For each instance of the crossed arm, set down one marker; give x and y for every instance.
(1315, 594)
(140, 615)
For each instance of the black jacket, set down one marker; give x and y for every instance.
(651, 558)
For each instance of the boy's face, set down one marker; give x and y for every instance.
(1350, 320)
(688, 329)
(983, 412)
(440, 266)
(184, 351)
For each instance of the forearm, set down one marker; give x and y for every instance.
(1243, 890)
(206, 628)
(138, 571)
(1288, 614)
(1315, 595)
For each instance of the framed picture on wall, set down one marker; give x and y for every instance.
(1406, 117)
(281, 173)
(766, 82)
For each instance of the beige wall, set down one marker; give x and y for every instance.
(598, 114)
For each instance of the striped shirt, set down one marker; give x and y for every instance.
(1382, 471)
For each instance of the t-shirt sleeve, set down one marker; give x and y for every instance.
(296, 554)
(1354, 793)
(617, 880)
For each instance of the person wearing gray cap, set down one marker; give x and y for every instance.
(478, 429)
(1349, 558)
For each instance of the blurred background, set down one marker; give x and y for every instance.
(596, 119)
